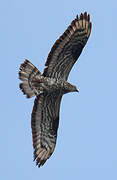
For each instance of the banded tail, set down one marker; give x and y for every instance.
(27, 74)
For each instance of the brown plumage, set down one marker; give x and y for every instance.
(50, 86)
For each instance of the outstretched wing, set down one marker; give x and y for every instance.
(68, 48)
(44, 123)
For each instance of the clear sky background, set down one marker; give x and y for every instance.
(87, 137)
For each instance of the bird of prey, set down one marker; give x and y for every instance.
(51, 85)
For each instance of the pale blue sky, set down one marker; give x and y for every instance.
(87, 137)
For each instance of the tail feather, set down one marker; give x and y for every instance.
(27, 72)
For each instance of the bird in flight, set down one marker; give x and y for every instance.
(51, 85)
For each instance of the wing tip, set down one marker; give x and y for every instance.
(40, 156)
(83, 22)
(84, 15)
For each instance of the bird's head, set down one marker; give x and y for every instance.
(74, 89)
(67, 87)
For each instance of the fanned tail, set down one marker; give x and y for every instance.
(26, 74)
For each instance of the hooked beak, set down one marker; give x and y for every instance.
(77, 90)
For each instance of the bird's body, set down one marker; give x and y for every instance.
(51, 85)
(40, 84)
